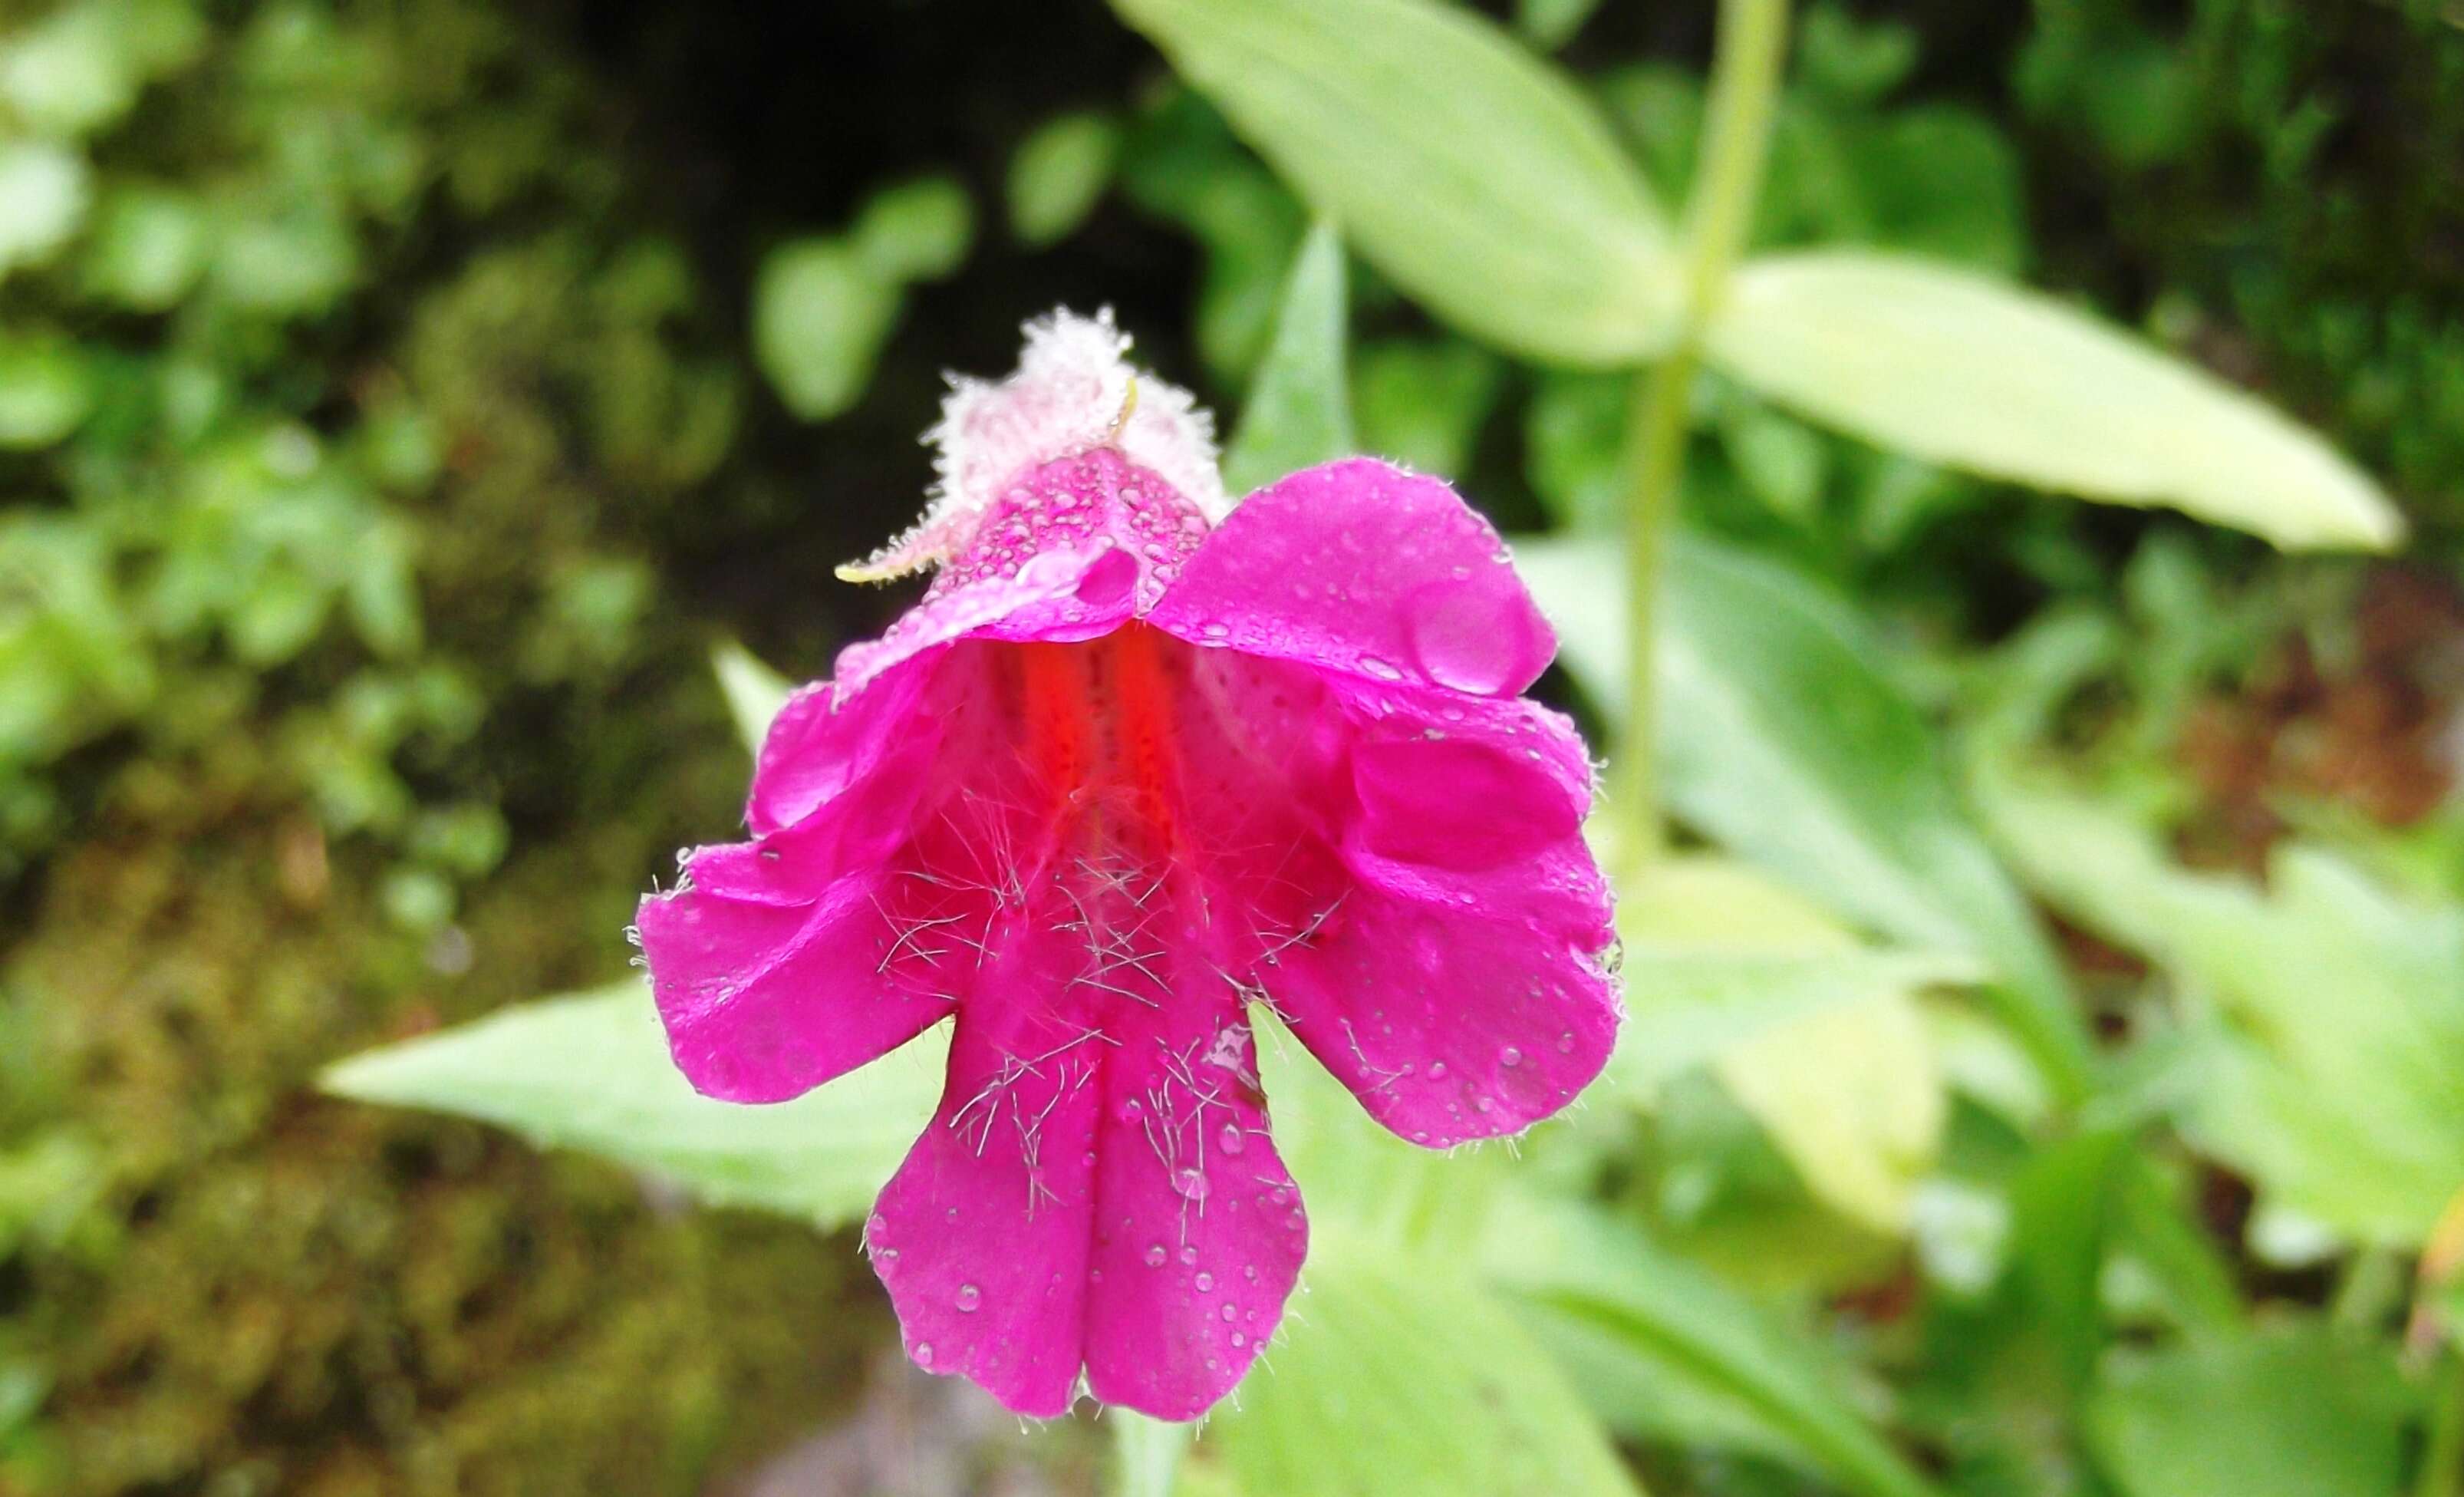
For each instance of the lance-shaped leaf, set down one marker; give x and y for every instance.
(1476, 176)
(1299, 413)
(591, 1071)
(1977, 373)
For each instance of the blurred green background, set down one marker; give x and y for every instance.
(399, 400)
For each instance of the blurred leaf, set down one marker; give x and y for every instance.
(2336, 1075)
(1781, 740)
(150, 247)
(1298, 414)
(1656, 1318)
(1479, 179)
(753, 691)
(821, 315)
(44, 391)
(1551, 24)
(286, 262)
(1399, 1375)
(2292, 1411)
(1059, 174)
(917, 230)
(80, 67)
(1574, 435)
(1849, 60)
(1781, 460)
(1422, 403)
(1816, 1035)
(1963, 369)
(43, 193)
(591, 1071)
(1183, 165)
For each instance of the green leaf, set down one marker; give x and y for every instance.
(1059, 174)
(591, 1071)
(1781, 740)
(1479, 179)
(1551, 24)
(44, 391)
(1145, 1451)
(150, 247)
(1422, 401)
(821, 315)
(753, 691)
(2294, 1411)
(1645, 1316)
(1963, 369)
(1399, 1375)
(1298, 414)
(2332, 1066)
(917, 230)
(44, 190)
(1817, 1036)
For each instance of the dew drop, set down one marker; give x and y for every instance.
(1382, 669)
(886, 1255)
(1155, 1256)
(1482, 1105)
(1436, 1070)
(1233, 1140)
(1566, 1044)
(1205, 1281)
(1231, 1312)
(1188, 1255)
(923, 1354)
(1250, 1271)
(1510, 1057)
(1239, 1340)
(970, 1298)
(1191, 1182)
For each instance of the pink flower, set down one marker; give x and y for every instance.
(1138, 760)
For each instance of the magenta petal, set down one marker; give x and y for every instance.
(765, 1000)
(1199, 1231)
(1461, 988)
(1107, 1197)
(1363, 567)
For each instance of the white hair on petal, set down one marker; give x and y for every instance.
(1075, 389)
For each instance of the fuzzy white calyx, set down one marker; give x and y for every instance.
(1074, 390)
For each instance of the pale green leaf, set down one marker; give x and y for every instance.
(2333, 1071)
(1298, 414)
(1059, 174)
(592, 1072)
(1399, 1374)
(1477, 178)
(753, 691)
(1963, 369)
(44, 190)
(915, 231)
(1816, 1035)
(821, 315)
(1422, 401)
(2296, 1411)
(44, 391)
(1781, 740)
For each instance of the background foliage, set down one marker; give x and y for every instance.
(398, 401)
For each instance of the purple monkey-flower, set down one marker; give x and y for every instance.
(1139, 759)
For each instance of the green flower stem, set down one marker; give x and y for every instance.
(2442, 1462)
(1727, 183)
(1146, 1452)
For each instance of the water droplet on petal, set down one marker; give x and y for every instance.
(1510, 1057)
(1566, 1044)
(923, 1354)
(1382, 669)
(1188, 1255)
(1191, 1182)
(1473, 637)
(969, 1298)
(1155, 1256)
(1239, 1340)
(1231, 1311)
(1436, 1070)
(1233, 1140)
(1205, 1281)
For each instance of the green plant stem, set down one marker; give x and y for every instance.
(1727, 183)
(1146, 1453)
(2442, 1459)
